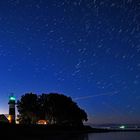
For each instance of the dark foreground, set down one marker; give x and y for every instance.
(45, 132)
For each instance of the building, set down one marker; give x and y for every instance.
(12, 115)
(3, 119)
(42, 122)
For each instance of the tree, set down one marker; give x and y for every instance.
(60, 109)
(28, 108)
(54, 107)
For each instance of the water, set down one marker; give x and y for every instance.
(90, 136)
(114, 136)
(101, 136)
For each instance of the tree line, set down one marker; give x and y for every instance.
(56, 108)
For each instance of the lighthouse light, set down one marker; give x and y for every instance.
(12, 98)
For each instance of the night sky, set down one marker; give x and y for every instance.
(86, 49)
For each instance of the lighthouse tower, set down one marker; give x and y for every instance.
(12, 102)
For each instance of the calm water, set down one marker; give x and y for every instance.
(94, 136)
(91, 136)
(114, 136)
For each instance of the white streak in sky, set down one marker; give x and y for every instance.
(96, 95)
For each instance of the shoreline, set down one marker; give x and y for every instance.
(52, 130)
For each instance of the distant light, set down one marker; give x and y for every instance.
(12, 98)
(122, 127)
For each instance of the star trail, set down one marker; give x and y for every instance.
(86, 49)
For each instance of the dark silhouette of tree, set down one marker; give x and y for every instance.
(42, 100)
(60, 109)
(56, 108)
(28, 108)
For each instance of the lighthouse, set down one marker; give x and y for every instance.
(12, 102)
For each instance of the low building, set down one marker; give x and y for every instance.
(3, 119)
(42, 122)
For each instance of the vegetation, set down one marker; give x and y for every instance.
(28, 108)
(56, 108)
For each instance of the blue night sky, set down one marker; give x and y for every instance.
(86, 49)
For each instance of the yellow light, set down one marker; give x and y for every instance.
(10, 118)
(42, 122)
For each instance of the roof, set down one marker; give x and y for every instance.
(3, 118)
